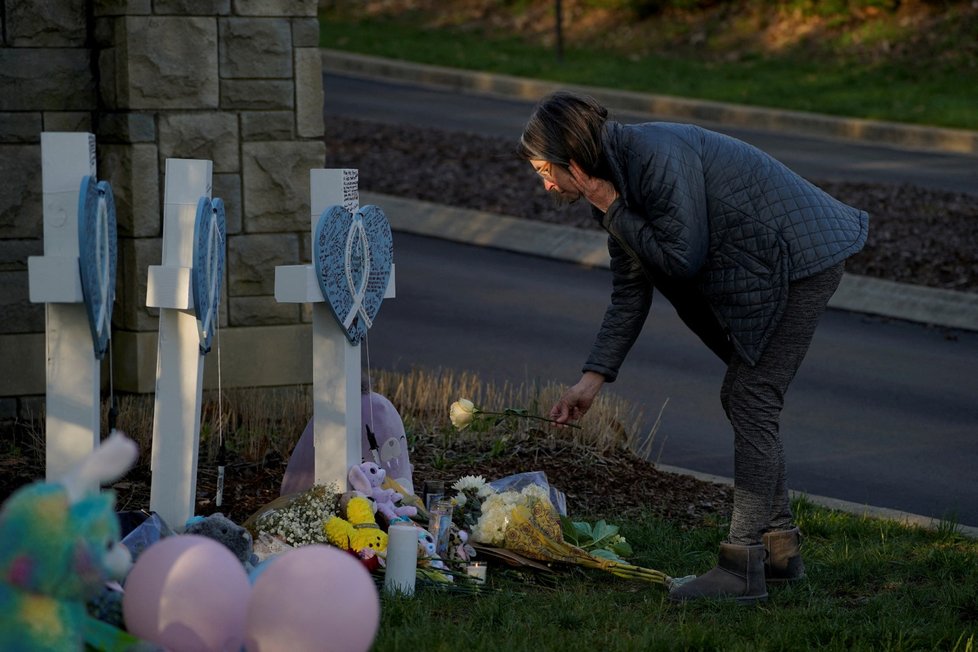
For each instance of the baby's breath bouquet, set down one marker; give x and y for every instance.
(299, 520)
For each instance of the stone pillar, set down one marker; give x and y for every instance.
(237, 82)
(47, 83)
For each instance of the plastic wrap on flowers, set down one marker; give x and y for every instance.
(535, 532)
(516, 514)
(520, 481)
(531, 533)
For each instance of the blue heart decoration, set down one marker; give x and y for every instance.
(97, 253)
(207, 273)
(353, 257)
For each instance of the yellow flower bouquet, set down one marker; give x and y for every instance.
(526, 522)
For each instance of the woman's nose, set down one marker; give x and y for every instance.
(548, 185)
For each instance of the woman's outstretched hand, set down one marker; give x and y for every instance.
(577, 400)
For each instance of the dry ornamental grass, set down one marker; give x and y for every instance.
(599, 467)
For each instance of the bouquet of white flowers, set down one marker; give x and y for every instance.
(497, 512)
(470, 492)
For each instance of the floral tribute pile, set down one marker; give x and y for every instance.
(240, 586)
(520, 520)
(526, 521)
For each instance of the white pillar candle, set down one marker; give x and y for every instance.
(402, 559)
(477, 571)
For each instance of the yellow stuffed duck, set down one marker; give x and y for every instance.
(359, 532)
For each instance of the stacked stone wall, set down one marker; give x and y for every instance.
(238, 82)
(46, 83)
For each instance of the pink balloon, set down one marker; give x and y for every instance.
(316, 598)
(187, 593)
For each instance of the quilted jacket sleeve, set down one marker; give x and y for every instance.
(664, 214)
(631, 298)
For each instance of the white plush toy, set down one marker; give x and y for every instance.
(368, 478)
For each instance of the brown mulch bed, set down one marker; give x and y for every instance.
(614, 484)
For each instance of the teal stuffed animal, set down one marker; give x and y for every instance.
(59, 544)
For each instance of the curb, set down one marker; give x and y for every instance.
(939, 139)
(862, 294)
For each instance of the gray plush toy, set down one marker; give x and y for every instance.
(222, 529)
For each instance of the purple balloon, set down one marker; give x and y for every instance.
(315, 598)
(187, 593)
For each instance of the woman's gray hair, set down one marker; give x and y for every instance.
(565, 126)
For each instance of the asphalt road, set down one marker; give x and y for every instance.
(814, 158)
(882, 413)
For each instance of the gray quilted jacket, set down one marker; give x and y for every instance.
(719, 217)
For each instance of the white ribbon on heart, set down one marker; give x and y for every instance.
(103, 262)
(359, 234)
(213, 266)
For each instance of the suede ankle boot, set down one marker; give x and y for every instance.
(738, 575)
(783, 563)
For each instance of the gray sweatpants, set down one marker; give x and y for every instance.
(753, 398)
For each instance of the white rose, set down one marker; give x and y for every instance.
(462, 412)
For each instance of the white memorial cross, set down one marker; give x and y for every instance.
(180, 357)
(336, 362)
(73, 382)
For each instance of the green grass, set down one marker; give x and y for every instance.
(873, 585)
(933, 92)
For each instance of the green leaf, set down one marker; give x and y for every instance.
(602, 532)
(583, 535)
(570, 531)
(623, 549)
